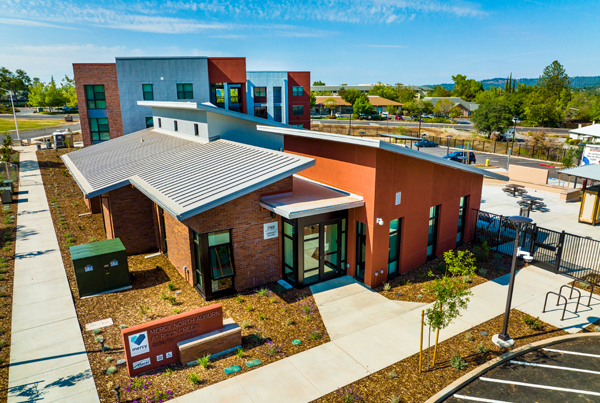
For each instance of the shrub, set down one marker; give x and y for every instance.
(239, 299)
(315, 335)
(289, 321)
(172, 300)
(2, 343)
(122, 326)
(262, 292)
(533, 323)
(194, 378)
(482, 348)
(171, 286)
(245, 324)
(109, 359)
(248, 308)
(240, 353)
(387, 287)
(163, 296)
(597, 328)
(111, 370)
(348, 394)
(176, 311)
(283, 310)
(272, 300)
(99, 339)
(457, 362)
(469, 336)
(272, 349)
(96, 331)
(204, 361)
(482, 272)
(392, 375)
(395, 399)
(258, 337)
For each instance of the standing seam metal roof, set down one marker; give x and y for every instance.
(183, 176)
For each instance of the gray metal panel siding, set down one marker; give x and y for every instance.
(164, 74)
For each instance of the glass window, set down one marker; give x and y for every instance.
(361, 247)
(218, 238)
(159, 122)
(277, 95)
(277, 113)
(196, 130)
(217, 94)
(289, 252)
(394, 246)
(298, 109)
(95, 97)
(149, 121)
(297, 91)
(99, 129)
(175, 126)
(260, 91)
(148, 92)
(185, 91)
(260, 112)
(288, 229)
(432, 232)
(462, 213)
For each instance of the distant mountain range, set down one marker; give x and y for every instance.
(576, 82)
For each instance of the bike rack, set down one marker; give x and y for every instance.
(559, 296)
(572, 289)
(591, 291)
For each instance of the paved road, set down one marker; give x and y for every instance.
(464, 124)
(27, 113)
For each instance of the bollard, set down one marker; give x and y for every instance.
(487, 162)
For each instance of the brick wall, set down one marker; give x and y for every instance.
(256, 259)
(94, 205)
(128, 215)
(98, 74)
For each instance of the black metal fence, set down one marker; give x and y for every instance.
(560, 252)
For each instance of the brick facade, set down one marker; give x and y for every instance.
(129, 215)
(94, 204)
(98, 74)
(257, 261)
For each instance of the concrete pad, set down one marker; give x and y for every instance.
(278, 382)
(41, 292)
(27, 318)
(328, 368)
(335, 289)
(341, 321)
(229, 391)
(38, 274)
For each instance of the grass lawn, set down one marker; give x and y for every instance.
(28, 124)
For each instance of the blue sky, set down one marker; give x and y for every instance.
(352, 42)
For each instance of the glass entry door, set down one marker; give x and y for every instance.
(321, 248)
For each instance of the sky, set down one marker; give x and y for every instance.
(413, 42)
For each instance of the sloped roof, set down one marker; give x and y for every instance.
(375, 100)
(591, 171)
(591, 130)
(183, 176)
(471, 106)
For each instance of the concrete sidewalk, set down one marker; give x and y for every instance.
(383, 339)
(48, 360)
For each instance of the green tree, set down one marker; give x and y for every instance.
(54, 95)
(37, 94)
(351, 95)
(318, 83)
(466, 89)
(17, 82)
(330, 104)
(70, 92)
(384, 91)
(443, 106)
(313, 99)
(440, 91)
(405, 94)
(426, 106)
(554, 79)
(392, 109)
(570, 158)
(455, 112)
(363, 106)
(7, 150)
(492, 116)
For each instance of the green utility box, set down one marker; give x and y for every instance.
(6, 195)
(100, 267)
(9, 184)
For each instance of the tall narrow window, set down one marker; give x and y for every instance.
(361, 249)
(298, 109)
(149, 121)
(159, 122)
(217, 94)
(297, 91)
(277, 95)
(95, 97)
(260, 91)
(185, 91)
(343, 246)
(175, 125)
(277, 113)
(289, 252)
(394, 247)
(196, 131)
(432, 233)
(148, 92)
(214, 266)
(99, 129)
(462, 214)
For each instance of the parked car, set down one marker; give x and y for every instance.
(338, 115)
(426, 143)
(459, 155)
(398, 117)
(415, 117)
(68, 109)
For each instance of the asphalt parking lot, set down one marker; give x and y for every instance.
(565, 372)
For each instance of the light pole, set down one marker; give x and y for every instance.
(503, 339)
(14, 111)
(448, 136)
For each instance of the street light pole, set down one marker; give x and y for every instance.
(14, 111)
(503, 339)
(448, 136)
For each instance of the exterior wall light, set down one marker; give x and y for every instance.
(379, 221)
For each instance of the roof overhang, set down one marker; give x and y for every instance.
(584, 171)
(310, 198)
(384, 145)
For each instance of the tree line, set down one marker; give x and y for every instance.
(36, 92)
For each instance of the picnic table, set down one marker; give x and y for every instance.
(514, 190)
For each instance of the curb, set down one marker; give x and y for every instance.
(482, 369)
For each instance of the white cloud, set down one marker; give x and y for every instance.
(30, 23)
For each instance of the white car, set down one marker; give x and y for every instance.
(338, 115)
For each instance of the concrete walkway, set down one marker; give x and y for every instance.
(48, 360)
(381, 339)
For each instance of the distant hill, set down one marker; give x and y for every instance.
(576, 82)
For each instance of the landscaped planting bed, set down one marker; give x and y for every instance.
(412, 286)
(8, 233)
(402, 381)
(271, 318)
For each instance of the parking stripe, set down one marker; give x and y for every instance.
(479, 399)
(534, 385)
(533, 364)
(572, 352)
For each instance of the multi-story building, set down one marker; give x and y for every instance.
(108, 92)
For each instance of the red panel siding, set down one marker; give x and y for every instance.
(299, 78)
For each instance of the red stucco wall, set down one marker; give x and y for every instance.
(299, 78)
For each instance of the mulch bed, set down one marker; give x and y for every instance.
(403, 380)
(8, 235)
(284, 313)
(411, 286)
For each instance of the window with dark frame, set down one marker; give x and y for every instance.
(99, 129)
(361, 248)
(462, 215)
(289, 240)
(149, 121)
(159, 122)
(196, 131)
(277, 95)
(175, 125)
(185, 91)
(277, 113)
(148, 92)
(95, 96)
(297, 91)
(261, 112)
(394, 247)
(298, 110)
(432, 231)
(215, 269)
(260, 91)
